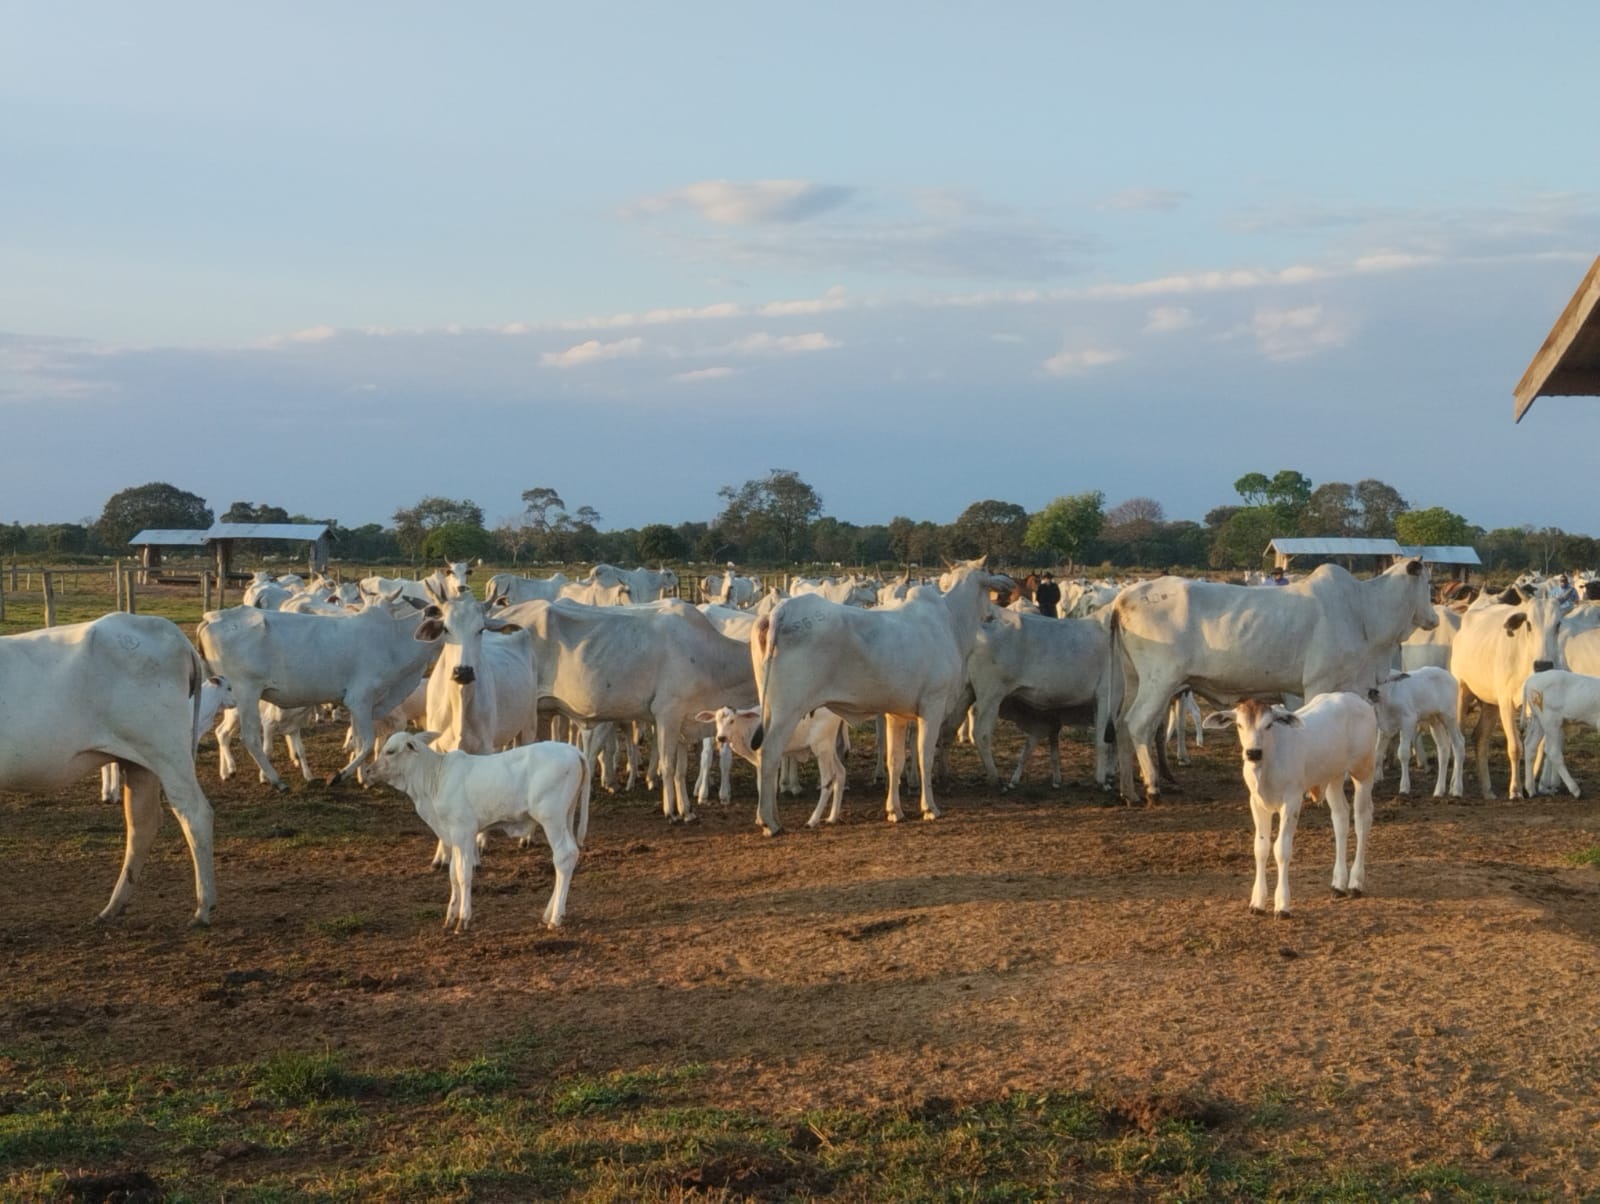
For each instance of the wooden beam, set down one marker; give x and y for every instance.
(1556, 344)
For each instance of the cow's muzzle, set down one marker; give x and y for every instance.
(1252, 754)
(463, 675)
(1543, 666)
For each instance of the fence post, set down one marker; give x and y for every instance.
(2, 602)
(49, 598)
(205, 590)
(128, 578)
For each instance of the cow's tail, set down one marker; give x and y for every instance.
(1114, 676)
(763, 651)
(197, 675)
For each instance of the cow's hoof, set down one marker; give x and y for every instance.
(765, 831)
(1355, 894)
(1257, 911)
(1340, 894)
(1284, 915)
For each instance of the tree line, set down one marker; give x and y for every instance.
(778, 520)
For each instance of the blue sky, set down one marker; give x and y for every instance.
(340, 257)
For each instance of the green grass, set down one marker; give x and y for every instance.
(1589, 856)
(304, 1125)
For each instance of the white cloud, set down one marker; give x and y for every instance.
(592, 352)
(1291, 334)
(756, 202)
(835, 298)
(1075, 363)
(719, 373)
(1159, 200)
(763, 343)
(1164, 319)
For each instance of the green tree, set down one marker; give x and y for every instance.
(1331, 511)
(1068, 527)
(1433, 527)
(660, 543)
(412, 525)
(777, 510)
(1241, 542)
(540, 503)
(990, 528)
(457, 541)
(1381, 507)
(244, 512)
(1132, 529)
(156, 505)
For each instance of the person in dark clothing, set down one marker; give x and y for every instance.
(1048, 596)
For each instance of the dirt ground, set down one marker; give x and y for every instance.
(1043, 939)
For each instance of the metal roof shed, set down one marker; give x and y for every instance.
(221, 538)
(1285, 550)
(1568, 364)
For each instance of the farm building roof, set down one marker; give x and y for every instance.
(300, 532)
(1334, 547)
(1441, 554)
(1568, 364)
(170, 539)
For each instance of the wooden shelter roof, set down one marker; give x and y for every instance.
(1568, 365)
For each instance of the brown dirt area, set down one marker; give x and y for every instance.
(1039, 940)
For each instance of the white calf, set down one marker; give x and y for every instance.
(288, 722)
(459, 795)
(1550, 699)
(816, 735)
(1425, 696)
(1286, 754)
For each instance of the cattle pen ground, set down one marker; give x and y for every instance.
(1041, 995)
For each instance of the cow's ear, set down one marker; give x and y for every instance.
(429, 630)
(1287, 718)
(705, 717)
(1514, 622)
(1218, 719)
(1374, 695)
(1414, 568)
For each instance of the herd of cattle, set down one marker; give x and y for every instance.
(772, 678)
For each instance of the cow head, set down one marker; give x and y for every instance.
(1537, 623)
(1256, 722)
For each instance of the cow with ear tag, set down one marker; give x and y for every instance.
(1288, 753)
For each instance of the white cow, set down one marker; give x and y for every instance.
(369, 662)
(817, 735)
(1048, 671)
(1431, 646)
(1407, 701)
(733, 590)
(644, 585)
(1549, 699)
(124, 688)
(853, 590)
(593, 593)
(215, 695)
(1493, 654)
(460, 796)
(1326, 632)
(659, 663)
(1288, 753)
(507, 589)
(483, 693)
(906, 663)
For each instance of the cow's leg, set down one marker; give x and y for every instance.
(360, 709)
(1175, 733)
(249, 712)
(985, 711)
(769, 761)
(1363, 815)
(1508, 723)
(1339, 817)
(927, 749)
(1283, 853)
(672, 765)
(1441, 755)
(895, 741)
(295, 742)
(1408, 733)
(1480, 737)
(460, 909)
(1054, 745)
(702, 784)
(141, 811)
(1141, 717)
(564, 856)
(831, 771)
(1261, 815)
(1555, 753)
(1030, 741)
(227, 728)
(725, 775)
(1458, 749)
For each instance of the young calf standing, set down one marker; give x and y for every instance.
(1407, 701)
(459, 795)
(1286, 754)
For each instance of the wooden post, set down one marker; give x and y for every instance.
(205, 590)
(128, 579)
(49, 599)
(2, 602)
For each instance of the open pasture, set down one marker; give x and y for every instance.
(1039, 995)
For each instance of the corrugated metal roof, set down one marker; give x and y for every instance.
(1568, 364)
(300, 532)
(1442, 554)
(1334, 547)
(170, 539)
(305, 531)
